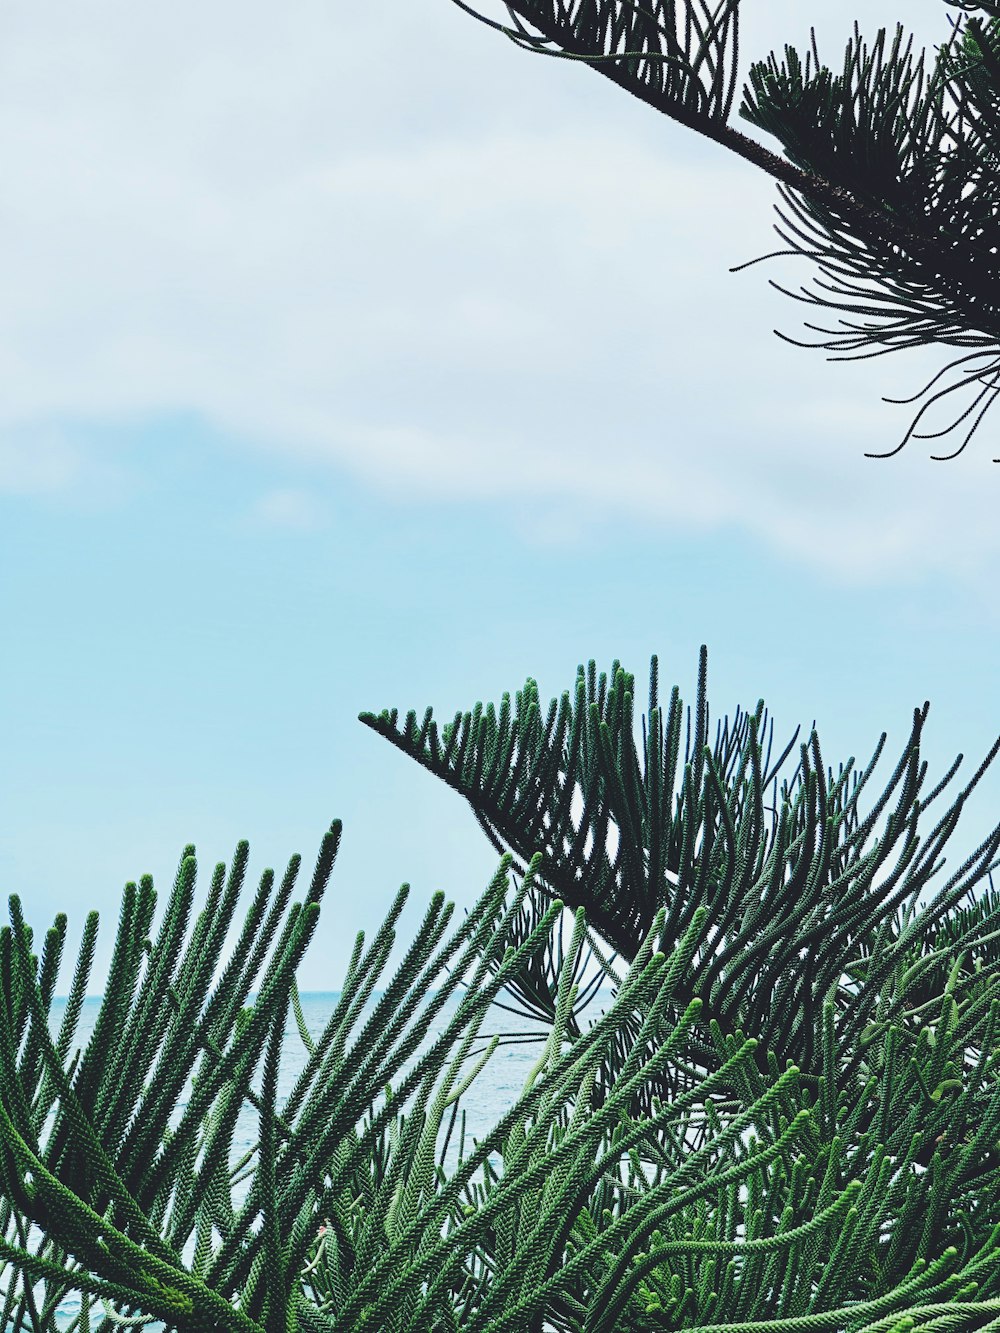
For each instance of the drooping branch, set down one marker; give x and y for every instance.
(866, 164)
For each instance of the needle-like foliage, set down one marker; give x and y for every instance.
(740, 1201)
(807, 897)
(889, 170)
(107, 1186)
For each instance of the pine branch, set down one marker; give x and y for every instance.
(795, 910)
(596, 1218)
(865, 166)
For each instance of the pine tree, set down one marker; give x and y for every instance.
(807, 900)
(896, 183)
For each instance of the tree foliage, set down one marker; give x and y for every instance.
(808, 899)
(889, 174)
(704, 1155)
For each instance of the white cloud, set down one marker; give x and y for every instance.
(396, 266)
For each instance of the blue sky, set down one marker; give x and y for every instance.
(353, 359)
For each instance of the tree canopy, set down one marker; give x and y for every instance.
(889, 173)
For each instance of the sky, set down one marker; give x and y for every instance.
(352, 359)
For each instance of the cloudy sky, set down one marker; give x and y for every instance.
(353, 358)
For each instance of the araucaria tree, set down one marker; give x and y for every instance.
(786, 1120)
(891, 173)
(813, 943)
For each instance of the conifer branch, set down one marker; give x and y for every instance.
(867, 170)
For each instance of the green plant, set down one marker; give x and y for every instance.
(665, 1167)
(801, 904)
(890, 170)
(117, 1192)
(811, 941)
